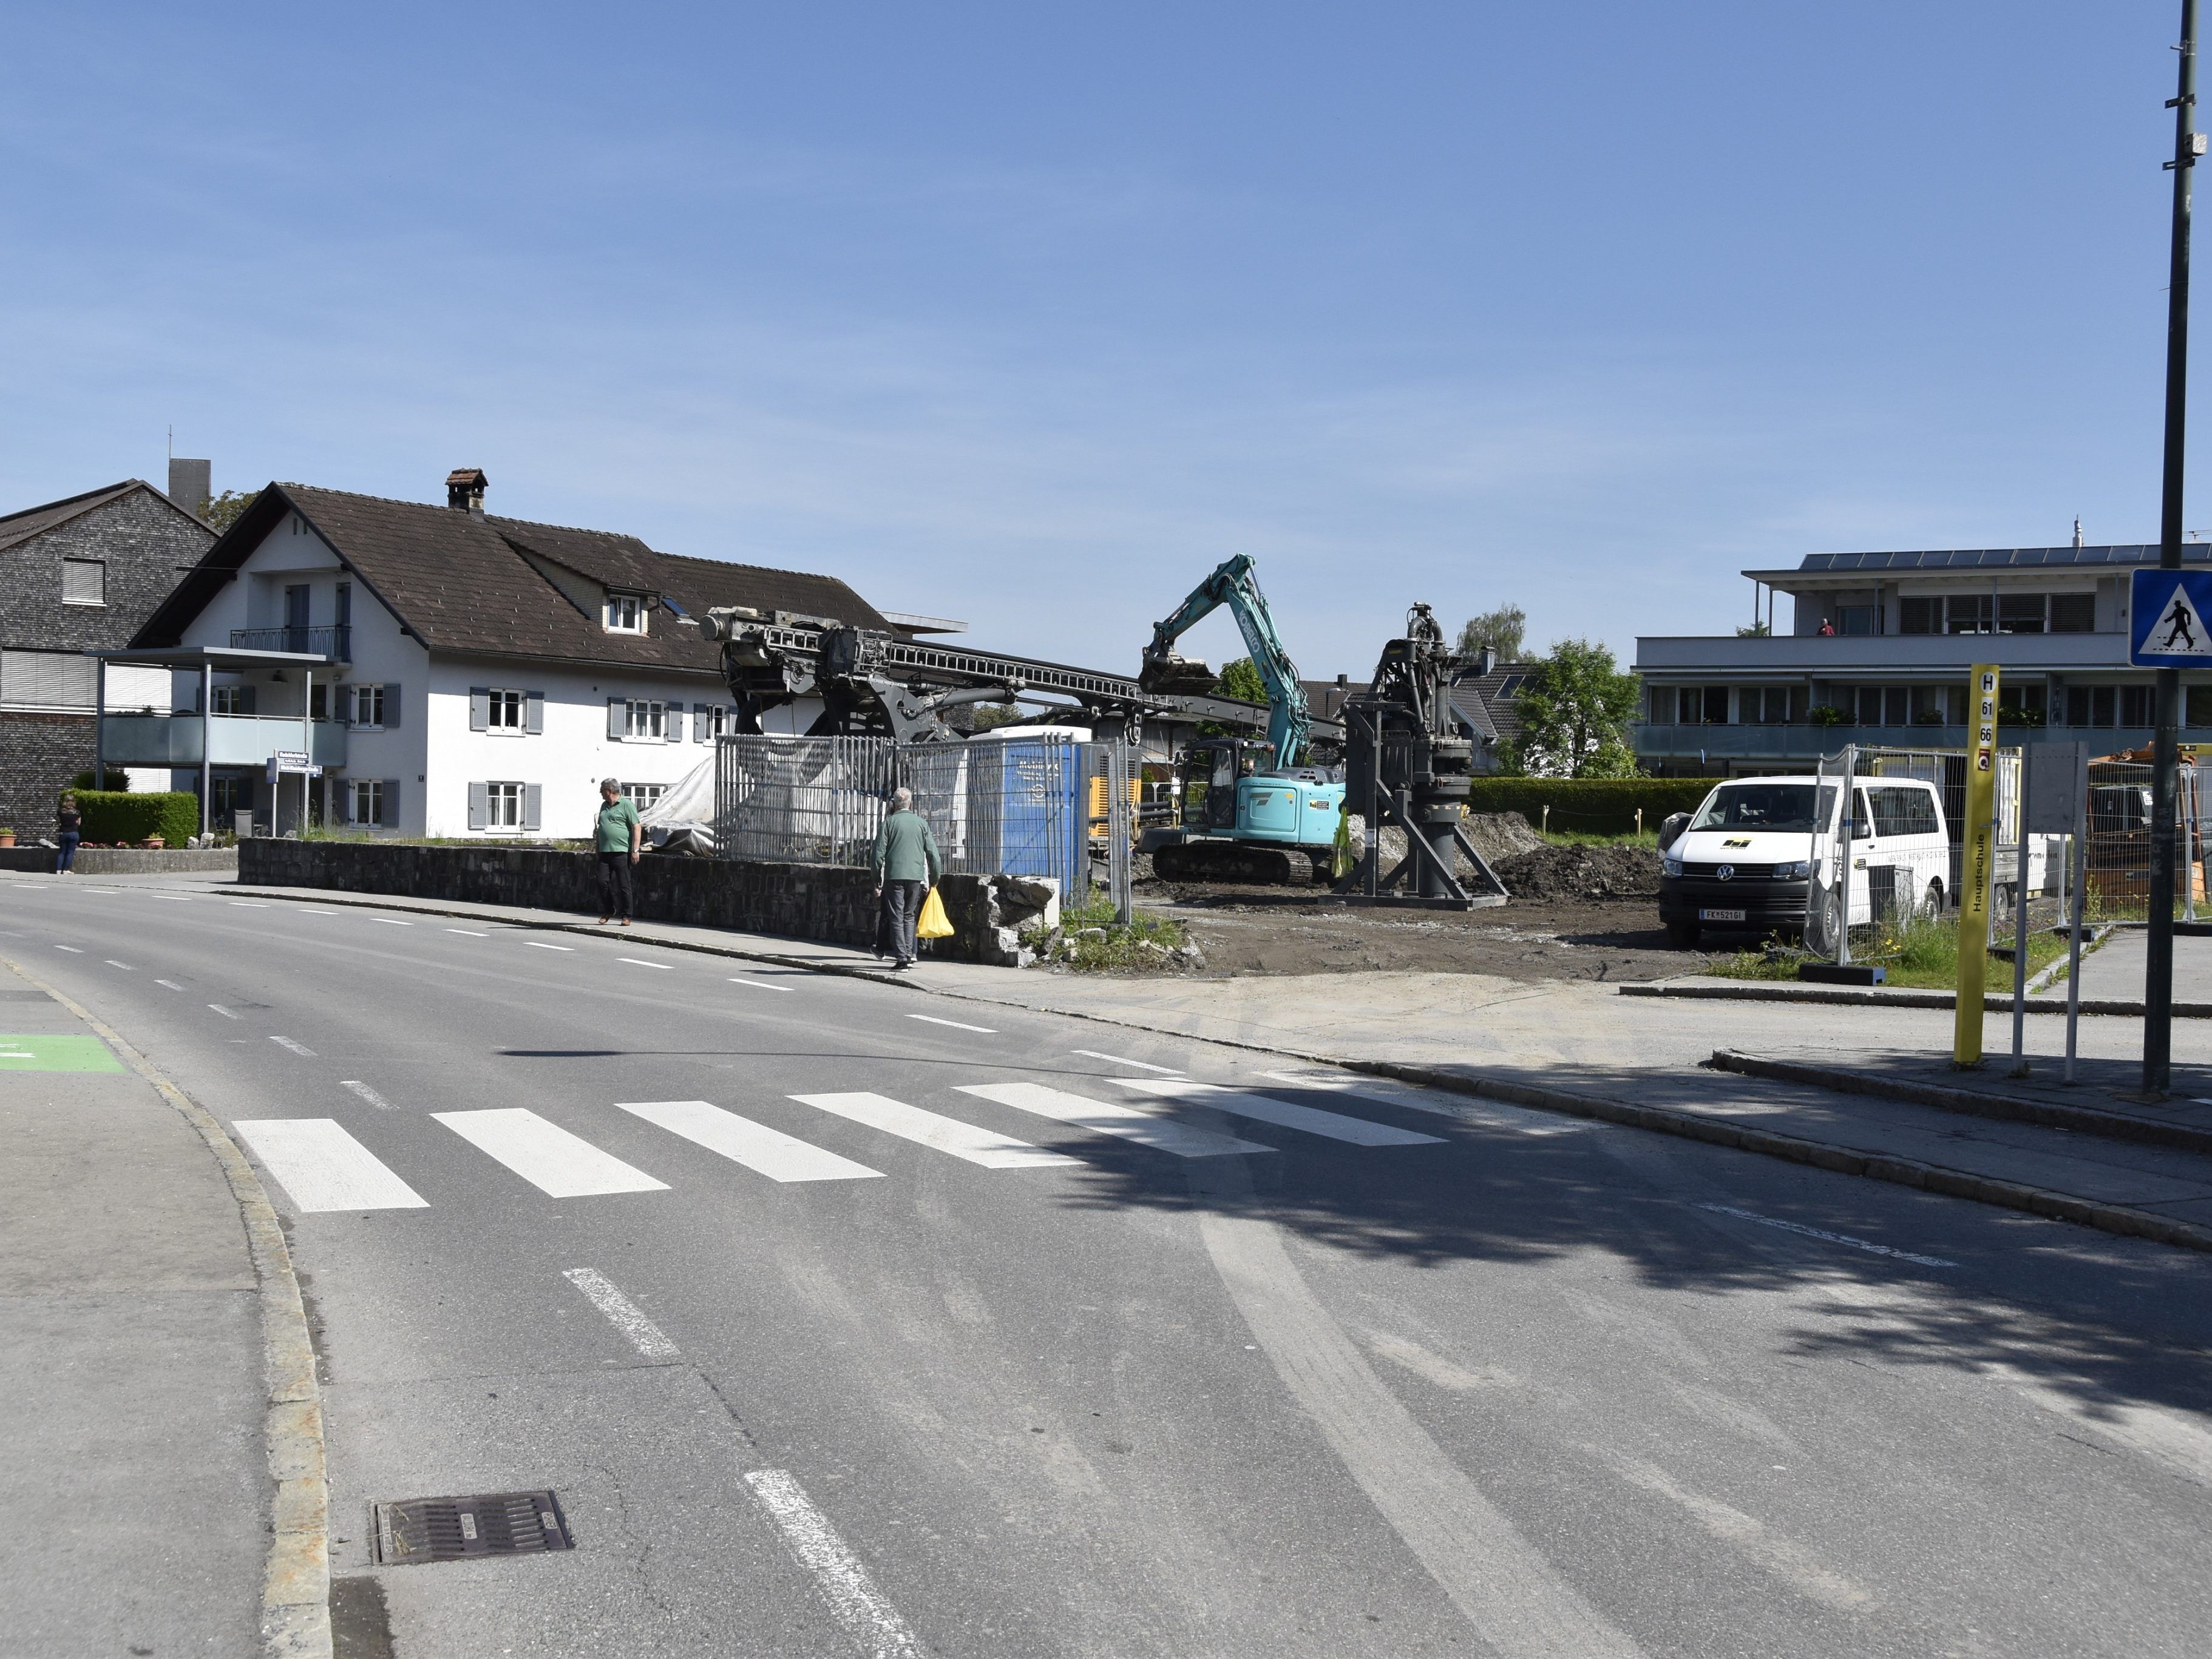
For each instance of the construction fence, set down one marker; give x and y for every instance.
(1045, 805)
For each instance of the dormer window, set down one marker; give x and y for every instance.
(625, 613)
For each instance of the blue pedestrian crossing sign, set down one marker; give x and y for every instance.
(2167, 618)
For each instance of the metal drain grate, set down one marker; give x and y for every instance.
(412, 1529)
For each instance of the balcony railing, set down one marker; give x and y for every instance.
(233, 739)
(335, 641)
(1806, 742)
(1841, 655)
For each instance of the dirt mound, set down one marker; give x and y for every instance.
(1581, 872)
(1501, 834)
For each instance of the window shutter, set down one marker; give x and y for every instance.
(479, 709)
(617, 708)
(701, 719)
(533, 712)
(479, 806)
(674, 729)
(344, 711)
(391, 707)
(245, 698)
(533, 795)
(391, 818)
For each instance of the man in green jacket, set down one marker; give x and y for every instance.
(907, 867)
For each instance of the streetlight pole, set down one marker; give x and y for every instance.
(2158, 974)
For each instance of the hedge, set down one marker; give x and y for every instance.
(1592, 805)
(114, 815)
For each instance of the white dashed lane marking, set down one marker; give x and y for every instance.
(760, 985)
(634, 962)
(366, 1093)
(300, 1048)
(622, 1313)
(957, 1026)
(540, 944)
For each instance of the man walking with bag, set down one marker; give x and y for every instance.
(907, 866)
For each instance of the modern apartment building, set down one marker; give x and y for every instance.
(1876, 649)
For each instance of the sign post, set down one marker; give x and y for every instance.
(2167, 610)
(1975, 872)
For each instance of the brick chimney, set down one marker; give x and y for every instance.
(464, 490)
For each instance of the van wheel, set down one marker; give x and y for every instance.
(1683, 935)
(1932, 905)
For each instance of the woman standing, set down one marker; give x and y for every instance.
(69, 830)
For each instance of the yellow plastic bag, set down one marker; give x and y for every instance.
(933, 922)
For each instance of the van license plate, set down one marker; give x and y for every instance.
(1720, 916)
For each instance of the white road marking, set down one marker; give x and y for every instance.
(1868, 1245)
(760, 985)
(224, 1012)
(944, 1134)
(310, 911)
(622, 1313)
(1785, 1558)
(1285, 1114)
(173, 899)
(634, 963)
(171, 983)
(1318, 1077)
(868, 1617)
(248, 904)
(1518, 1602)
(764, 1151)
(300, 1048)
(471, 932)
(113, 962)
(324, 1168)
(71, 949)
(392, 921)
(540, 944)
(546, 1155)
(366, 1093)
(1147, 1129)
(1123, 1060)
(957, 1026)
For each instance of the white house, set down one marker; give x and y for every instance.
(452, 673)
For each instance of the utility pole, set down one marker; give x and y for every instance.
(2158, 976)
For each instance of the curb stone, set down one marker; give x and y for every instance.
(1755, 991)
(1904, 1171)
(295, 1618)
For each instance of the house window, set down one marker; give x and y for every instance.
(1919, 616)
(2073, 613)
(2197, 706)
(368, 707)
(84, 582)
(226, 700)
(504, 711)
(226, 796)
(1858, 619)
(645, 719)
(503, 806)
(368, 799)
(1931, 705)
(625, 613)
(2092, 705)
(1968, 613)
(2135, 705)
(719, 721)
(642, 795)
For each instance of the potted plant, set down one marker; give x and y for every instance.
(156, 843)
(7, 837)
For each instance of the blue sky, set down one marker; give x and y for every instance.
(1029, 315)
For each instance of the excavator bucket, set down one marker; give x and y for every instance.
(1175, 676)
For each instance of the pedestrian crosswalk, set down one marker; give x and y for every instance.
(321, 1167)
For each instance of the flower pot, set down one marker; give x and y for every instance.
(7, 837)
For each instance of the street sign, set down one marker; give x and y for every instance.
(2166, 617)
(1975, 872)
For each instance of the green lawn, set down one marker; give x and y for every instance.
(1921, 956)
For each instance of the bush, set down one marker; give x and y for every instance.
(112, 815)
(1597, 806)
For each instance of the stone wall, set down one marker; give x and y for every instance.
(125, 861)
(38, 755)
(826, 903)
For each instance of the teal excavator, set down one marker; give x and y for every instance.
(1265, 815)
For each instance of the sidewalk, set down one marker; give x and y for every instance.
(134, 1479)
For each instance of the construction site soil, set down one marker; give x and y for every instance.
(1586, 913)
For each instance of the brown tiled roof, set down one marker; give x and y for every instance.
(462, 582)
(17, 528)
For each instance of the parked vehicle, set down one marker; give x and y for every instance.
(1761, 854)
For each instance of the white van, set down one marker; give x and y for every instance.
(1750, 853)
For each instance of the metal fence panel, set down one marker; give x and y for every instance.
(805, 800)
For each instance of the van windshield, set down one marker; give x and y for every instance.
(1764, 806)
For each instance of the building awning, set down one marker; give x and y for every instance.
(222, 658)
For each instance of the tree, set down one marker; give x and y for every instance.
(1241, 680)
(226, 509)
(1758, 631)
(1505, 628)
(1575, 712)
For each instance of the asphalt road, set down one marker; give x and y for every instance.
(890, 1380)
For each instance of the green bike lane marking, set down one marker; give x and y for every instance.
(57, 1054)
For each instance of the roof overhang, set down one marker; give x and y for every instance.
(228, 657)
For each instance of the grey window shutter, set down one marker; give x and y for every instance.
(391, 818)
(479, 806)
(390, 705)
(479, 709)
(532, 796)
(617, 709)
(674, 729)
(245, 698)
(533, 712)
(701, 722)
(345, 710)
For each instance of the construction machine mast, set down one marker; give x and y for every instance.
(1233, 584)
(1405, 764)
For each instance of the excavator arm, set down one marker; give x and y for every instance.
(1234, 584)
